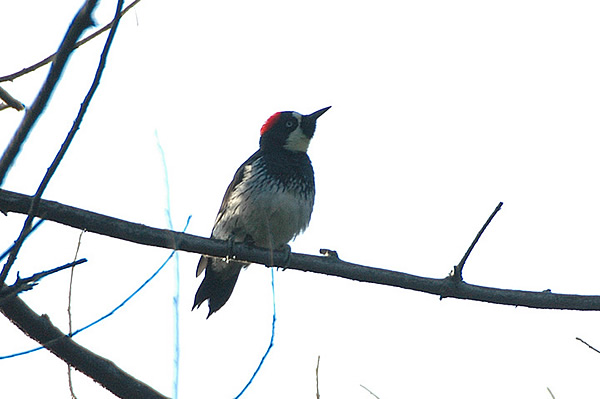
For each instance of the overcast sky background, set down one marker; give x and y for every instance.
(440, 109)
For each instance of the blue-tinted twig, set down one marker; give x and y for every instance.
(270, 343)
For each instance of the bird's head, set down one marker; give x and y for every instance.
(289, 130)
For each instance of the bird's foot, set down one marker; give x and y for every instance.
(230, 255)
(329, 253)
(287, 250)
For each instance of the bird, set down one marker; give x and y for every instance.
(267, 204)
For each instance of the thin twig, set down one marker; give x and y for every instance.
(317, 372)
(589, 346)
(69, 315)
(35, 226)
(63, 149)
(551, 394)
(270, 343)
(176, 295)
(50, 58)
(457, 274)
(81, 22)
(368, 390)
(27, 283)
(10, 101)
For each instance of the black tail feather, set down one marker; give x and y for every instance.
(219, 280)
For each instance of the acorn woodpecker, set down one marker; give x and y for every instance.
(268, 203)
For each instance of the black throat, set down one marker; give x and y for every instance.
(290, 168)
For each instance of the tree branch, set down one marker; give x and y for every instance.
(100, 369)
(457, 272)
(330, 265)
(80, 43)
(27, 283)
(317, 375)
(81, 22)
(9, 101)
(103, 371)
(63, 149)
(588, 345)
(368, 390)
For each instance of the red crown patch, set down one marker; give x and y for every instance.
(269, 123)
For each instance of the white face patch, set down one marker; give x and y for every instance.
(297, 141)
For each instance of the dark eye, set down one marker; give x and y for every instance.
(289, 124)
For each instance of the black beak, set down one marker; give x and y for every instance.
(309, 122)
(315, 115)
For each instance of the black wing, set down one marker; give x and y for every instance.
(237, 178)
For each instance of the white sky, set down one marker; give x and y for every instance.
(441, 109)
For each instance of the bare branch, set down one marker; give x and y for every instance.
(588, 345)
(51, 57)
(141, 234)
(40, 328)
(81, 22)
(63, 149)
(27, 283)
(102, 370)
(317, 373)
(33, 228)
(457, 273)
(368, 390)
(10, 101)
(70, 316)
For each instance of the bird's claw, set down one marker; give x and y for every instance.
(230, 255)
(287, 250)
(329, 253)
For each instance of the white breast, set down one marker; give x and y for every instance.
(265, 212)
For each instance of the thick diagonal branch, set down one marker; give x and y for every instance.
(330, 265)
(102, 370)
